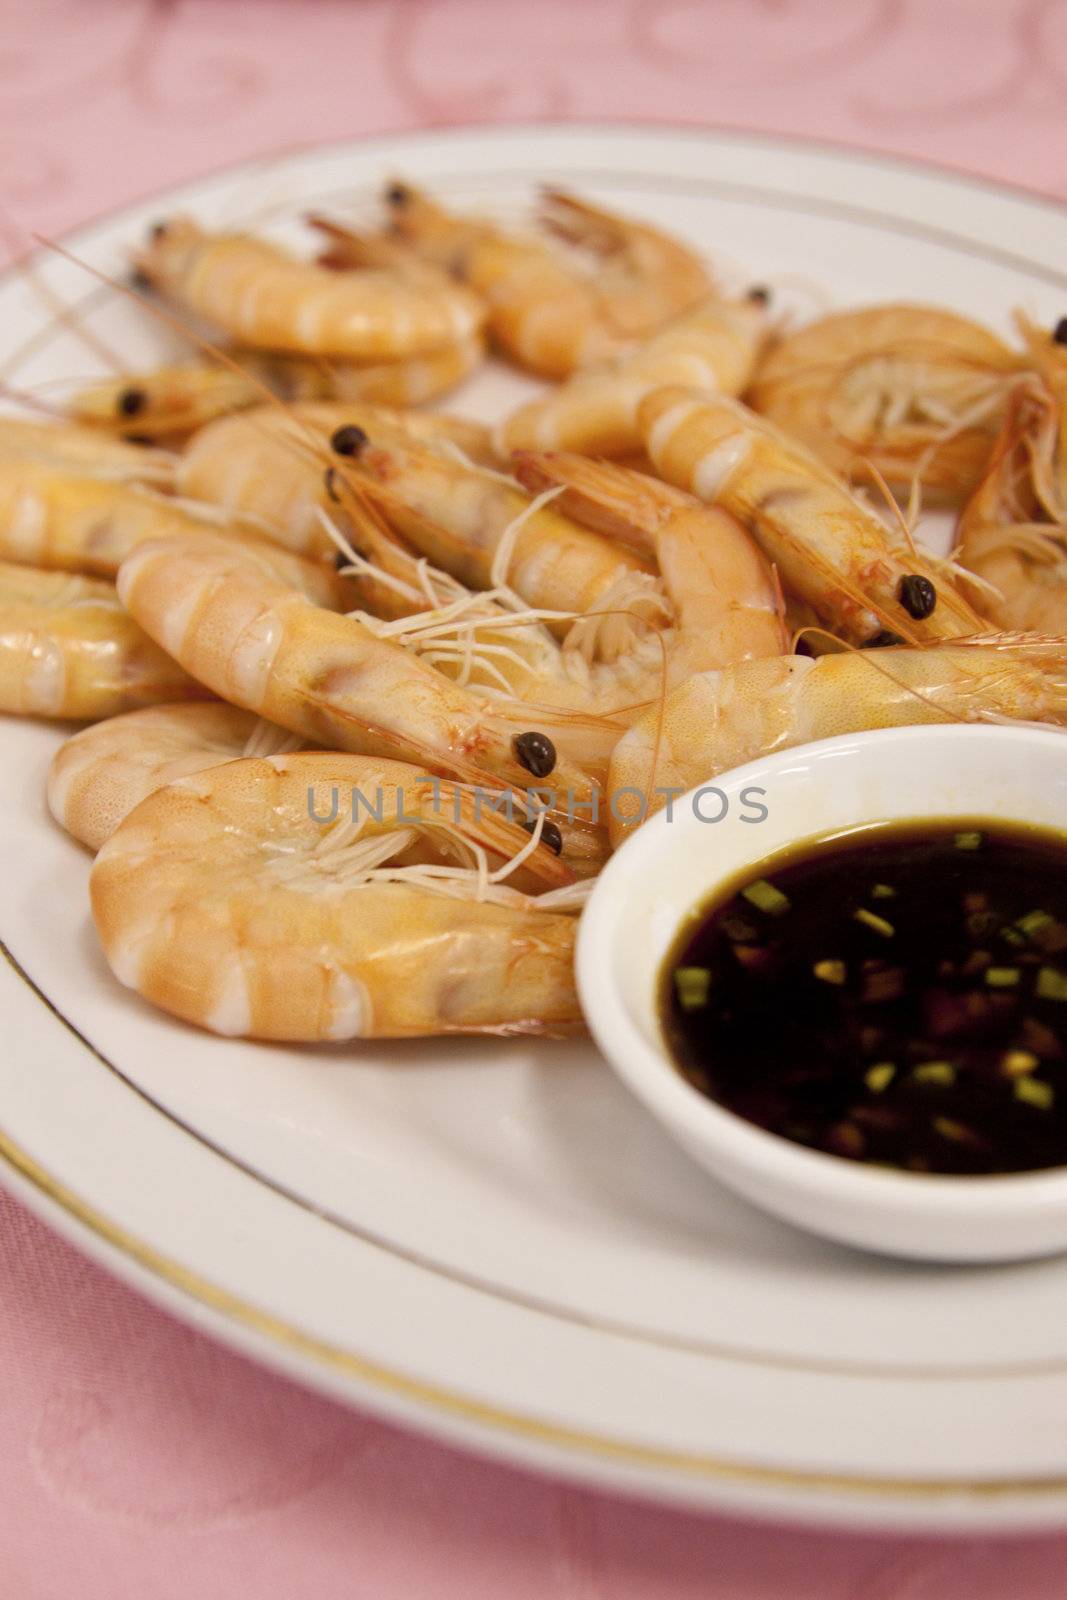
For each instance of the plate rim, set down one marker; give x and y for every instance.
(813, 144)
(185, 1291)
(793, 1494)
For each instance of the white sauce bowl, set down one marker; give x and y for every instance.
(673, 864)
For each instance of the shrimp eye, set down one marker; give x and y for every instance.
(341, 562)
(759, 294)
(131, 402)
(397, 194)
(157, 231)
(879, 641)
(917, 595)
(1059, 332)
(348, 440)
(550, 834)
(139, 279)
(536, 752)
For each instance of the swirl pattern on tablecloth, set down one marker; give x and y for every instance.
(135, 1456)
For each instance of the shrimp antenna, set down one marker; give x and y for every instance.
(67, 316)
(870, 656)
(892, 504)
(779, 605)
(32, 402)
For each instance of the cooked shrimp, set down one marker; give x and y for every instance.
(263, 646)
(99, 774)
(228, 901)
(166, 402)
(68, 649)
(720, 720)
(90, 525)
(1013, 532)
(830, 549)
(414, 382)
(713, 603)
(714, 346)
(276, 471)
(394, 383)
(270, 466)
(84, 450)
(915, 390)
(721, 601)
(545, 312)
(171, 402)
(261, 297)
(485, 531)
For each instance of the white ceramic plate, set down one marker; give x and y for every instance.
(492, 1241)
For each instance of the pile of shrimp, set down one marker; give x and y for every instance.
(370, 690)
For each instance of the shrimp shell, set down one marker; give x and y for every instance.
(414, 382)
(829, 548)
(547, 313)
(913, 389)
(262, 297)
(719, 720)
(174, 401)
(91, 525)
(72, 448)
(723, 604)
(99, 775)
(263, 646)
(269, 465)
(222, 900)
(460, 517)
(68, 649)
(715, 346)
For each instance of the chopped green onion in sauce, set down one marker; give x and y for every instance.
(765, 897)
(931, 1041)
(1051, 984)
(942, 1072)
(1035, 1093)
(691, 985)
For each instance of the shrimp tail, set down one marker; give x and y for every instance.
(580, 223)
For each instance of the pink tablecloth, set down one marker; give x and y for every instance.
(137, 1459)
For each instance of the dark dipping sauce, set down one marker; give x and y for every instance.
(894, 995)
